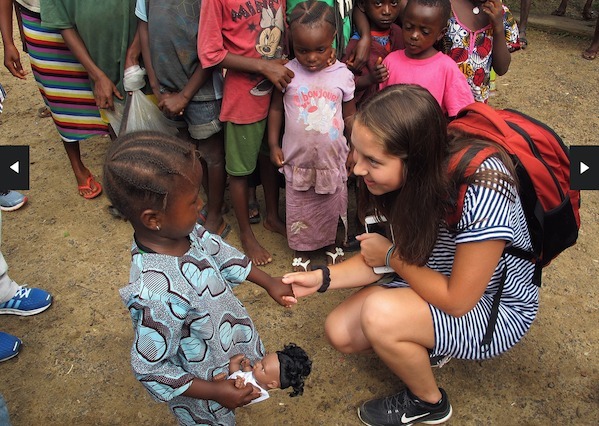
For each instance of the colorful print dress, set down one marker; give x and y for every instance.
(473, 51)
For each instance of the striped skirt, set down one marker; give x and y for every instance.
(62, 80)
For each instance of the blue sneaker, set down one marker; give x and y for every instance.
(11, 200)
(27, 301)
(9, 346)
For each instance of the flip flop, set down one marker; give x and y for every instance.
(224, 229)
(338, 253)
(297, 263)
(88, 187)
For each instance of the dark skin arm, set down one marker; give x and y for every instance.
(175, 103)
(222, 391)
(275, 124)
(274, 70)
(501, 55)
(12, 58)
(359, 57)
(280, 293)
(142, 29)
(104, 88)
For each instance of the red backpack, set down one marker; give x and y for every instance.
(542, 164)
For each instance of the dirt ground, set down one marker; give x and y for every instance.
(74, 365)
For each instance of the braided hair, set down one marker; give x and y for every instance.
(295, 367)
(140, 170)
(312, 12)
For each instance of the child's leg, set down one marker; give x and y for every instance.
(213, 155)
(205, 131)
(242, 144)
(270, 183)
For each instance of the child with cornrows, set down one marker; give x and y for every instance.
(187, 321)
(316, 107)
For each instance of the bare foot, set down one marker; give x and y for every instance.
(277, 226)
(252, 248)
(590, 54)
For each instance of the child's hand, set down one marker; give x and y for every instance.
(277, 157)
(228, 395)
(494, 10)
(278, 73)
(281, 293)
(359, 57)
(173, 104)
(380, 72)
(373, 248)
(303, 283)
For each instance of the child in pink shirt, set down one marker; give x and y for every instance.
(424, 24)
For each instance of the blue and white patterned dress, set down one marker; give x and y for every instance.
(188, 323)
(487, 215)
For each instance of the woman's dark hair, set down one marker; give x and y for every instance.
(140, 170)
(312, 12)
(295, 367)
(409, 123)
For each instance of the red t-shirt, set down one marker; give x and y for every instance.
(247, 29)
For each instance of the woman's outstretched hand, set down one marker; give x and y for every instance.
(303, 283)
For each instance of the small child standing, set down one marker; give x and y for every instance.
(283, 369)
(477, 40)
(187, 321)
(245, 38)
(424, 24)
(189, 96)
(386, 37)
(314, 107)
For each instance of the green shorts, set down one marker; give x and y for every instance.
(243, 144)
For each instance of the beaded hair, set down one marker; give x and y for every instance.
(140, 170)
(312, 12)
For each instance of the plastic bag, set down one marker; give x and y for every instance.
(139, 112)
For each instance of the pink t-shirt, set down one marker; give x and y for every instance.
(439, 74)
(250, 29)
(314, 146)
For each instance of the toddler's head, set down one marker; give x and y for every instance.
(313, 28)
(424, 23)
(381, 13)
(283, 369)
(153, 179)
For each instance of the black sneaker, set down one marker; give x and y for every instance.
(404, 409)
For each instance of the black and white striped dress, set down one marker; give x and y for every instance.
(487, 215)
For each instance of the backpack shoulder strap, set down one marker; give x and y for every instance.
(477, 157)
